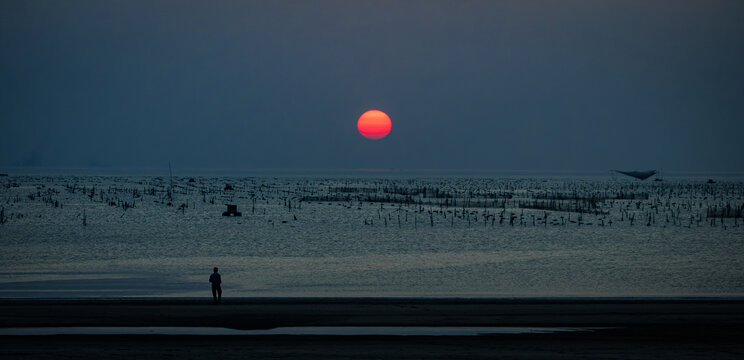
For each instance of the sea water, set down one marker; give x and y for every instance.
(490, 236)
(298, 330)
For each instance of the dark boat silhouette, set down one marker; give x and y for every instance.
(640, 175)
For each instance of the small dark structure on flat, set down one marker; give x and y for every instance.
(232, 210)
(640, 175)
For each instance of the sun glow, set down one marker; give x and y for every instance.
(374, 124)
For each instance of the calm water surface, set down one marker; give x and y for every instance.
(90, 236)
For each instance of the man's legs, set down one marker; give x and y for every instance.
(214, 293)
(219, 293)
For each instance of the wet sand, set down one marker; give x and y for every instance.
(638, 328)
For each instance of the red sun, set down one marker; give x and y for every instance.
(374, 124)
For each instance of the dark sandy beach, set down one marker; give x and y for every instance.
(635, 328)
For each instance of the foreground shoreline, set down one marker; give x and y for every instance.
(375, 299)
(636, 327)
(262, 313)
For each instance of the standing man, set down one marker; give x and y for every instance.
(216, 281)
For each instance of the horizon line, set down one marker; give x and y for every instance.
(115, 169)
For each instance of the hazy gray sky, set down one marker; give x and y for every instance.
(490, 85)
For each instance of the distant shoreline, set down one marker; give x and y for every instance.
(363, 173)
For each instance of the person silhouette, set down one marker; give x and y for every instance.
(216, 281)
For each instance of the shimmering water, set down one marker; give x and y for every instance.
(79, 236)
(296, 330)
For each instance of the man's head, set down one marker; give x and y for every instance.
(215, 269)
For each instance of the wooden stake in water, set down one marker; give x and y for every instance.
(170, 171)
